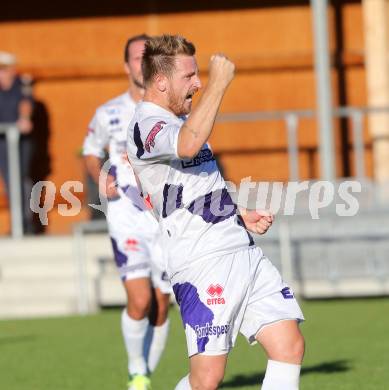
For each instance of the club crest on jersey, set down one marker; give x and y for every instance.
(150, 140)
(215, 291)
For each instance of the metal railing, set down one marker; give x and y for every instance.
(353, 266)
(283, 235)
(79, 232)
(12, 135)
(292, 119)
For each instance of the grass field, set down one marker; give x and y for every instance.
(347, 348)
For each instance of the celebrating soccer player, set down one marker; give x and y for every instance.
(221, 280)
(134, 232)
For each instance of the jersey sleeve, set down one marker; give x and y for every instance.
(157, 140)
(97, 138)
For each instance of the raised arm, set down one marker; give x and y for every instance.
(198, 127)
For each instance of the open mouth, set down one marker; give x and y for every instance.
(189, 96)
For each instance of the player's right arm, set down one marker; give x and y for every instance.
(198, 127)
(93, 166)
(105, 181)
(93, 151)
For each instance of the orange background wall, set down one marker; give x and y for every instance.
(77, 65)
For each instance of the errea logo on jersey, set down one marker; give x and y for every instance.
(215, 291)
(131, 245)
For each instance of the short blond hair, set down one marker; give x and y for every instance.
(159, 55)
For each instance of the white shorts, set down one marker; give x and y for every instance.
(135, 241)
(238, 292)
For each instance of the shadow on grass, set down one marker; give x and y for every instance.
(254, 379)
(16, 339)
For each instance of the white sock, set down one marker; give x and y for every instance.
(158, 337)
(134, 333)
(183, 384)
(281, 375)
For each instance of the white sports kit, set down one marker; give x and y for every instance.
(133, 230)
(221, 280)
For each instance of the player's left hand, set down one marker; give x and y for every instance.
(257, 221)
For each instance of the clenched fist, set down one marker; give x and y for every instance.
(221, 71)
(257, 221)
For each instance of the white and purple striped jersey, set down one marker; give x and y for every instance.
(195, 211)
(108, 129)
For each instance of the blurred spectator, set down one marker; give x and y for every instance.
(16, 105)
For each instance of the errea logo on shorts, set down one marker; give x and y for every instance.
(215, 291)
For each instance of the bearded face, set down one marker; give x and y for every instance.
(182, 85)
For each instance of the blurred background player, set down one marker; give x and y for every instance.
(16, 106)
(133, 231)
(210, 251)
